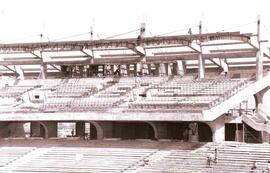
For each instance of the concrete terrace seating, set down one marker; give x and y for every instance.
(232, 157)
(11, 154)
(13, 91)
(85, 160)
(102, 94)
(188, 94)
(179, 157)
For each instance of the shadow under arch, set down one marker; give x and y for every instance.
(96, 132)
(154, 128)
(205, 132)
(44, 132)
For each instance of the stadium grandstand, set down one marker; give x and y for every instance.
(144, 104)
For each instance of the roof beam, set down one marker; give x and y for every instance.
(223, 44)
(115, 43)
(10, 69)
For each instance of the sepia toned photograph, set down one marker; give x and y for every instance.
(134, 86)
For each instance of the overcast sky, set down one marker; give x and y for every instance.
(25, 20)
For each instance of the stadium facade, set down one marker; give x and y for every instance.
(195, 87)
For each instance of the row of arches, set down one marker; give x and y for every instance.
(185, 131)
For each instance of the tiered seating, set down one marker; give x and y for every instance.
(85, 160)
(165, 157)
(231, 158)
(188, 94)
(102, 94)
(13, 91)
(95, 94)
(11, 154)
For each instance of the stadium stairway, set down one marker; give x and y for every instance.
(242, 94)
(258, 121)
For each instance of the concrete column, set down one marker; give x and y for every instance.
(169, 71)
(181, 67)
(138, 68)
(135, 69)
(149, 69)
(219, 134)
(218, 129)
(162, 69)
(201, 67)
(80, 128)
(52, 128)
(112, 69)
(259, 65)
(259, 96)
(166, 65)
(157, 69)
(43, 71)
(128, 70)
(175, 69)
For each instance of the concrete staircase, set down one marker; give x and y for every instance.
(241, 94)
(257, 121)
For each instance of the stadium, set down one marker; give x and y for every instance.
(143, 104)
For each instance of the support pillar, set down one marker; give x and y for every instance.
(181, 67)
(43, 72)
(112, 69)
(166, 65)
(259, 65)
(162, 69)
(175, 69)
(138, 68)
(80, 128)
(135, 69)
(259, 96)
(201, 61)
(218, 128)
(156, 73)
(149, 69)
(201, 66)
(259, 55)
(128, 69)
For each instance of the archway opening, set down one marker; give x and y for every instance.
(93, 132)
(205, 133)
(132, 130)
(38, 129)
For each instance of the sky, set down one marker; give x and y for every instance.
(25, 20)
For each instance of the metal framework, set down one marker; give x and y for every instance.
(215, 47)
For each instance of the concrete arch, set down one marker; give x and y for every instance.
(259, 96)
(155, 129)
(205, 132)
(46, 132)
(99, 130)
(35, 129)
